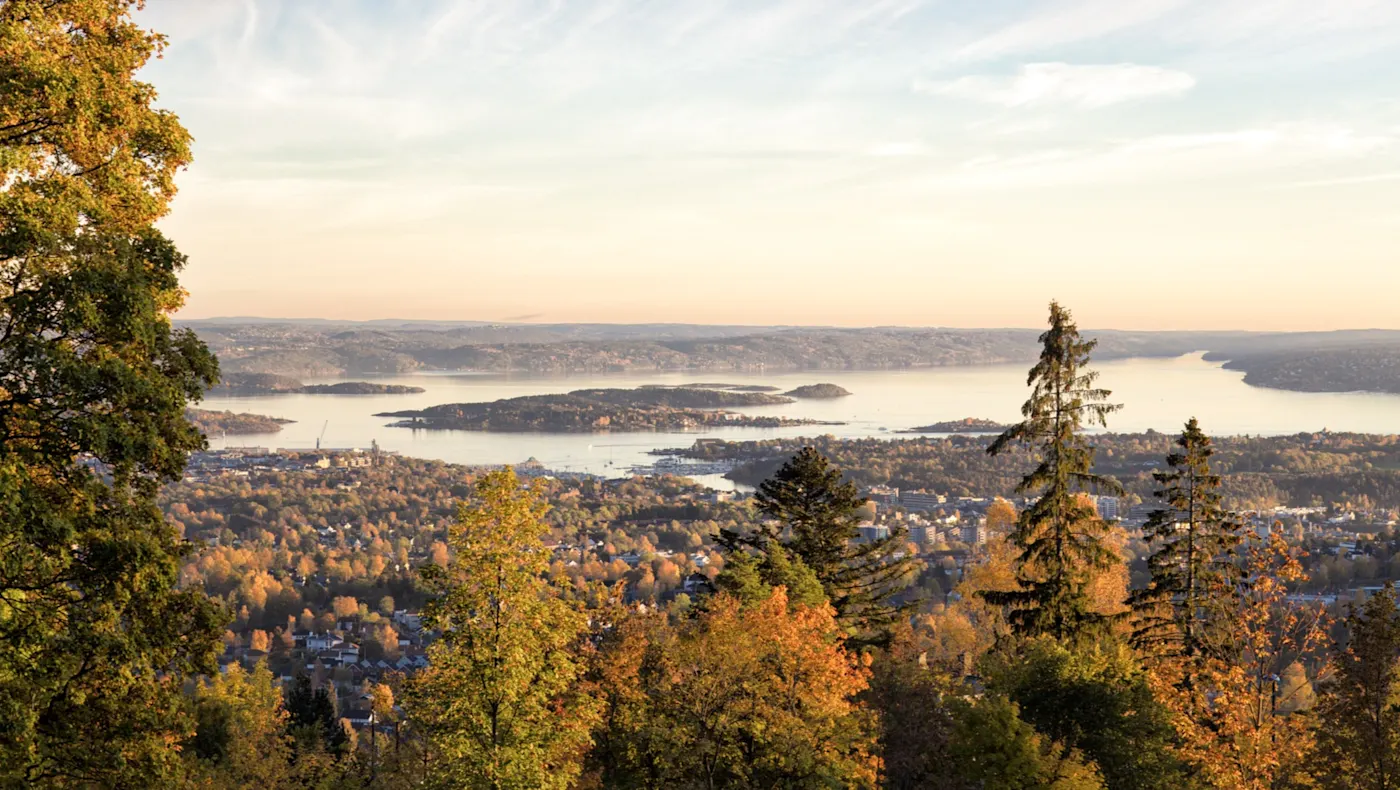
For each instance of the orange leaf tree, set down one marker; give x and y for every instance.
(744, 695)
(1228, 711)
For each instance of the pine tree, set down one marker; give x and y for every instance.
(1358, 742)
(821, 513)
(501, 702)
(1060, 537)
(95, 638)
(1193, 565)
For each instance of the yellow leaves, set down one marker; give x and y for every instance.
(502, 701)
(1233, 716)
(382, 702)
(80, 130)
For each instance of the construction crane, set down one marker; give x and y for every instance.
(323, 434)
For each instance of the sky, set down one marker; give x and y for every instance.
(1153, 164)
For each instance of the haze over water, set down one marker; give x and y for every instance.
(1158, 394)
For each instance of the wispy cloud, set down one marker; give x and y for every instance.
(1042, 84)
(1054, 24)
(638, 142)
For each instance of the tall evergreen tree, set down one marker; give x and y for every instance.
(1358, 742)
(1182, 611)
(821, 515)
(94, 636)
(1060, 537)
(313, 716)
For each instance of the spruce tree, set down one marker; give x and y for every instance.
(821, 516)
(95, 637)
(313, 716)
(1060, 537)
(1184, 607)
(1359, 741)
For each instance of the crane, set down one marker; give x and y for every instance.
(323, 434)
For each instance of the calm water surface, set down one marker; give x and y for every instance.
(1156, 393)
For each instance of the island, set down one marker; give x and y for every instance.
(814, 391)
(682, 397)
(229, 423)
(706, 385)
(359, 388)
(599, 410)
(965, 425)
(272, 384)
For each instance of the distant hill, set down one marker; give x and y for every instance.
(1336, 361)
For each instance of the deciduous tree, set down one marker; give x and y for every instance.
(1230, 716)
(1095, 698)
(95, 639)
(501, 701)
(757, 694)
(994, 749)
(241, 740)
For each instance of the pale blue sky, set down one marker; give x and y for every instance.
(954, 162)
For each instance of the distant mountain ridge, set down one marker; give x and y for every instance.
(1318, 361)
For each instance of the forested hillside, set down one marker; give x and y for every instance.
(1305, 361)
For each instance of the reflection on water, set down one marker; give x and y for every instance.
(1157, 393)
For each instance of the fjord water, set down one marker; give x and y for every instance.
(1159, 394)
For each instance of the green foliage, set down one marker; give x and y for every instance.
(1093, 697)
(751, 578)
(1060, 536)
(501, 702)
(312, 717)
(808, 498)
(1358, 740)
(992, 748)
(915, 721)
(1257, 472)
(94, 637)
(241, 739)
(1193, 565)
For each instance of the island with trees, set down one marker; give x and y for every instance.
(590, 410)
(213, 423)
(818, 392)
(705, 385)
(273, 384)
(965, 425)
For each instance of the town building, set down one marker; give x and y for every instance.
(921, 500)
